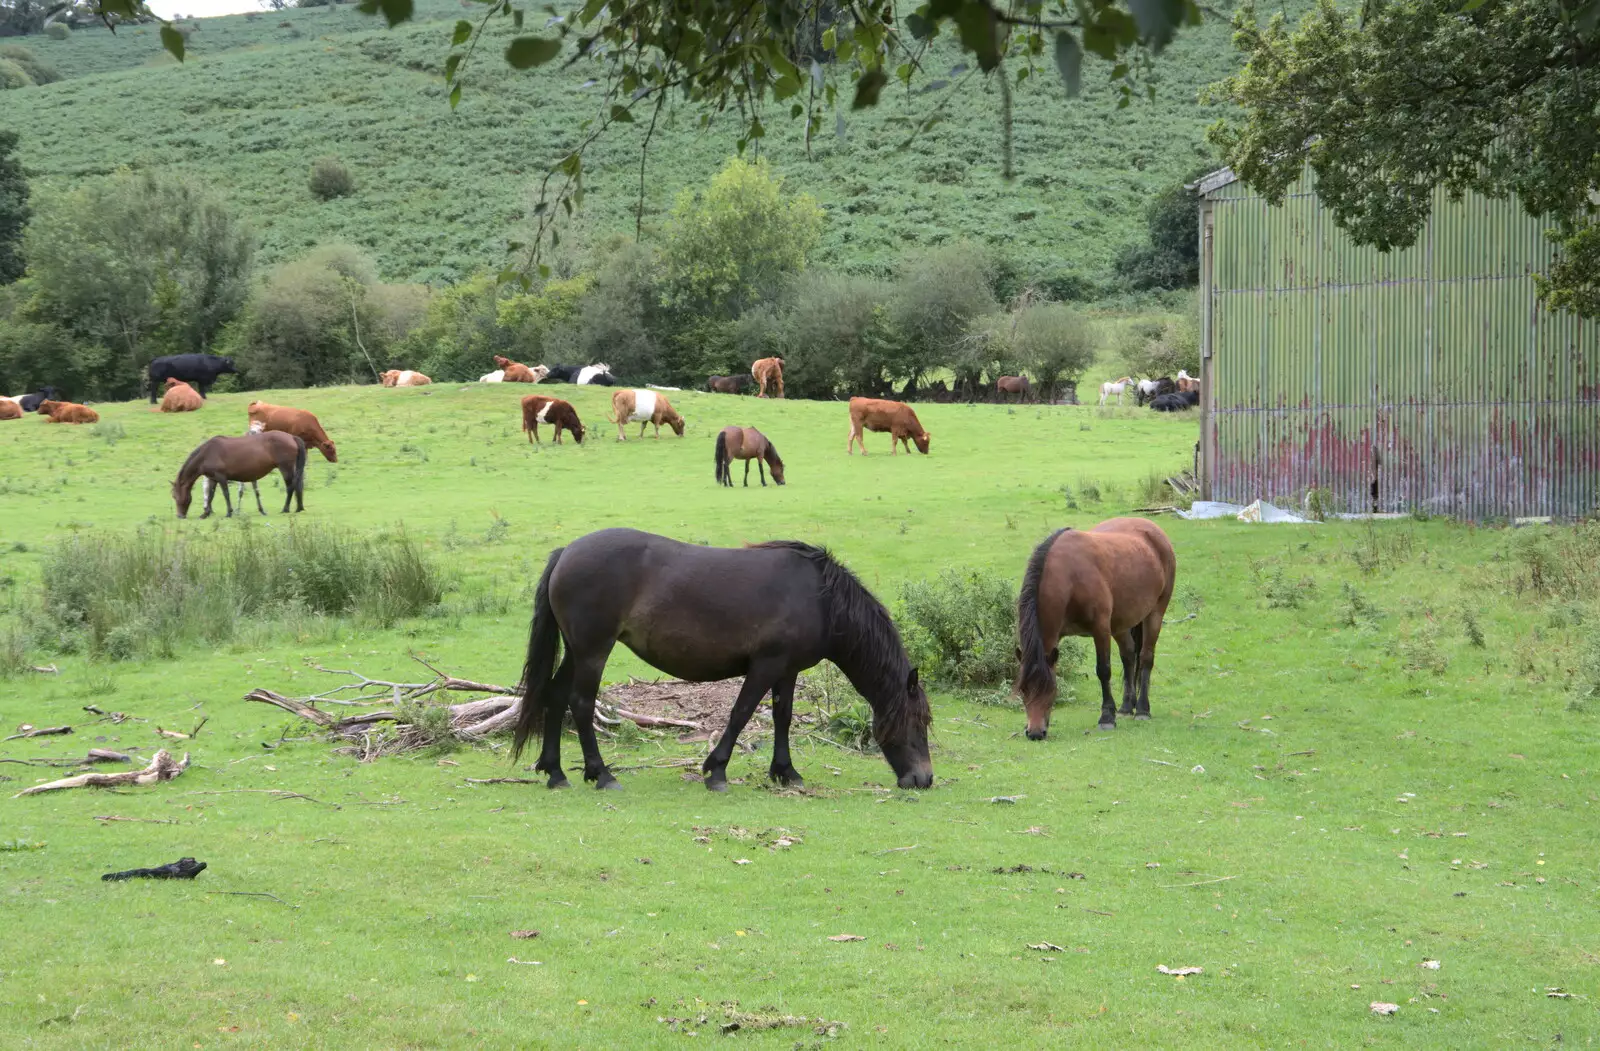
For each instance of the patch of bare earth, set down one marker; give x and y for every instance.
(705, 704)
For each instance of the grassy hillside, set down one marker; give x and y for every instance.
(1345, 776)
(441, 192)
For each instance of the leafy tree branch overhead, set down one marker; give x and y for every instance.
(1497, 97)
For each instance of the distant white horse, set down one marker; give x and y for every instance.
(497, 376)
(1116, 386)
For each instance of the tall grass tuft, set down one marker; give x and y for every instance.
(152, 591)
(961, 627)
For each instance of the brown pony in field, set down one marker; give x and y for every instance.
(298, 422)
(1110, 582)
(248, 458)
(729, 384)
(180, 397)
(537, 409)
(10, 410)
(403, 378)
(643, 407)
(516, 372)
(68, 412)
(1017, 385)
(768, 372)
(746, 443)
(875, 414)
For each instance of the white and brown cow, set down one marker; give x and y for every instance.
(643, 407)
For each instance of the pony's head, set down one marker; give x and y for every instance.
(182, 497)
(1038, 692)
(904, 736)
(921, 441)
(1036, 666)
(775, 463)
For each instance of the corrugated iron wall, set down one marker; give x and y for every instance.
(1426, 379)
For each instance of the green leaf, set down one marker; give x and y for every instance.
(975, 25)
(1158, 20)
(1472, 5)
(544, 272)
(124, 8)
(591, 11)
(462, 34)
(620, 114)
(796, 110)
(571, 164)
(829, 38)
(455, 96)
(172, 40)
(903, 74)
(869, 87)
(394, 11)
(451, 64)
(526, 52)
(919, 27)
(1099, 41)
(1069, 63)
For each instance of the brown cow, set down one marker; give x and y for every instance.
(643, 407)
(516, 372)
(180, 397)
(68, 412)
(403, 378)
(874, 414)
(537, 409)
(298, 422)
(10, 410)
(769, 374)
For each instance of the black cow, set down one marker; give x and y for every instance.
(1175, 402)
(603, 379)
(198, 370)
(563, 373)
(30, 402)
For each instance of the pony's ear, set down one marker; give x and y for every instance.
(1054, 653)
(911, 681)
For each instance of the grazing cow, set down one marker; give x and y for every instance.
(598, 375)
(67, 412)
(729, 384)
(298, 422)
(538, 408)
(201, 370)
(497, 376)
(769, 375)
(403, 378)
(1175, 402)
(1017, 385)
(10, 410)
(180, 397)
(874, 414)
(643, 407)
(30, 402)
(1116, 386)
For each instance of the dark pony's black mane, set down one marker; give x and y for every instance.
(1036, 676)
(772, 458)
(866, 645)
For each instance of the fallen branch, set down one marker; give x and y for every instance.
(48, 669)
(162, 768)
(253, 894)
(1202, 883)
(44, 731)
(145, 820)
(106, 755)
(505, 780)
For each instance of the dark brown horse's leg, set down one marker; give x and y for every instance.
(1102, 668)
(782, 769)
(1128, 643)
(555, 712)
(226, 499)
(747, 472)
(761, 469)
(256, 488)
(585, 687)
(756, 684)
(1147, 661)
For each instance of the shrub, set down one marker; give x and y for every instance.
(154, 591)
(1586, 681)
(38, 70)
(330, 178)
(836, 336)
(13, 76)
(1055, 343)
(58, 31)
(936, 298)
(1161, 349)
(960, 627)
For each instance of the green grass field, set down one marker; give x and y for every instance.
(1339, 782)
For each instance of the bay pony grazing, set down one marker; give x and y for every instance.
(403, 378)
(180, 397)
(875, 414)
(67, 412)
(643, 407)
(766, 612)
(10, 410)
(298, 422)
(248, 458)
(1116, 386)
(768, 373)
(746, 443)
(1112, 582)
(537, 409)
(1017, 385)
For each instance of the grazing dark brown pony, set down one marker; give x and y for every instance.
(1017, 385)
(729, 384)
(1110, 582)
(766, 612)
(746, 443)
(248, 458)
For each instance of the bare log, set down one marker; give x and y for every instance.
(653, 722)
(25, 731)
(106, 755)
(289, 704)
(162, 768)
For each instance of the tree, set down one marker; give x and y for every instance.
(1495, 97)
(937, 296)
(734, 245)
(837, 336)
(1170, 255)
(142, 264)
(13, 209)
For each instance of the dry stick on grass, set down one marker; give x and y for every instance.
(144, 820)
(162, 768)
(252, 894)
(43, 731)
(48, 669)
(1202, 883)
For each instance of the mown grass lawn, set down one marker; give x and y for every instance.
(1338, 783)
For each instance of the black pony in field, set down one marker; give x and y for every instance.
(765, 611)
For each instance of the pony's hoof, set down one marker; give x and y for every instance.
(1142, 717)
(608, 784)
(1108, 726)
(719, 784)
(558, 781)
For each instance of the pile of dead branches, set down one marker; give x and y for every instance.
(415, 715)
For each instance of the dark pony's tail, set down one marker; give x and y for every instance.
(722, 453)
(1036, 676)
(544, 646)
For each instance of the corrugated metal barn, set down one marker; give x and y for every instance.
(1427, 379)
